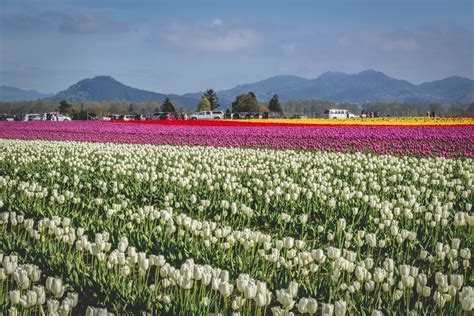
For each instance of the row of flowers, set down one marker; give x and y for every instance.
(386, 121)
(446, 141)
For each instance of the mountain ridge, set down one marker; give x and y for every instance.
(8, 93)
(106, 88)
(362, 87)
(366, 86)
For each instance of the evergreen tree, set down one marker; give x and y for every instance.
(211, 95)
(64, 107)
(274, 104)
(167, 106)
(131, 108)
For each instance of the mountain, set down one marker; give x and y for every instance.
(457, 88)
(15, 94)
(106, 88)
(362, 87)
(264, 89)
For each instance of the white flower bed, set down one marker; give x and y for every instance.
(229, 230)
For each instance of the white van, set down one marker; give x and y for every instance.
(207, 115)
(338, 114)
(32, 117)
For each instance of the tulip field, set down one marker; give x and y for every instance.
(448, 138)
(237, 218)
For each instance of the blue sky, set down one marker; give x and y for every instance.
(186, 46)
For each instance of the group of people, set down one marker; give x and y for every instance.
(430, 114)
(53, 116)
(369, 114)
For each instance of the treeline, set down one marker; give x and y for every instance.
(98, 108)
(209, 101)
(397, 109)
(315, 108)
(246, 102)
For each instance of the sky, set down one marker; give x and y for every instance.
(188, 46)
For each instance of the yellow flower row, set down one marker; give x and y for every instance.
(374, 121)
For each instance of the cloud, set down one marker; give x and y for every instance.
(416, 53)
(184, 55)
(17, 22)
(214, 37)
(89, 23)
(217, 22)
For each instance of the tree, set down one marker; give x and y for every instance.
(274, 104)
(131, 109)
(64, 107)
(262, 107)
(211, 95)
(204, 105)
(96, 108)
(437, 108)
(246, 102)
(469, 110)
(167, 106)
(456, 110)
(395, 109)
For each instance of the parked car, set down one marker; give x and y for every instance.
(63, 118)
(32, 117)
(156, 115)
(338, 114)
(272, 115)
(127, 117)
(165, 116)
(239, 115)
(207, 115)
(111, 117)
(252, 115)
(299, 116)
(7, 117)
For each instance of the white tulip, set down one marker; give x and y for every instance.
(457, 280)
(293, 288)
(53, 306)
(261, 300)
(466, 297)
(285, 298)
(327, 309)
(303, 305)
(225, 289)
(14, 296)
(250, 291)
(340, 308)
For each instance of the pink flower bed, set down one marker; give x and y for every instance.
(447, 141)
